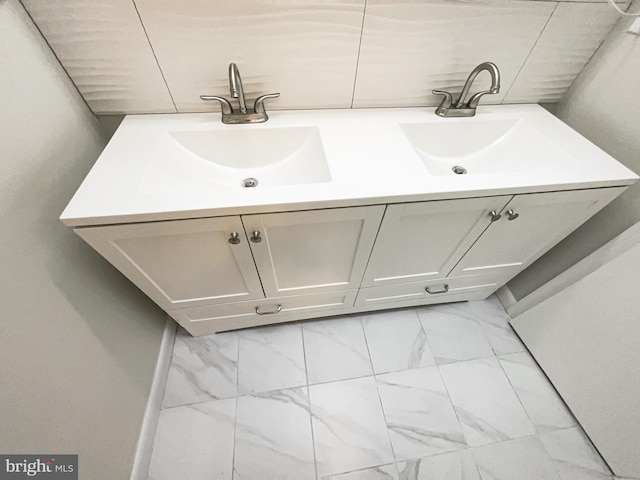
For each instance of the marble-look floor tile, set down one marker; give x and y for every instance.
(271, 358)
(336, 350)
(195, 442)
(419, 414)
(396, 341)
(383, 472)
(574, 456)
(348, 426)
(458, 465)
(494, 321)
(453, 334)
(485, 402)
(521, 459)
(202, 368)
(542, 403)
(273, 436)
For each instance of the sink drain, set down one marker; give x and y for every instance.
(249, 182)
(459, 170)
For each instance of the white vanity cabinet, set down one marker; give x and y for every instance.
(184, 262)
(424, 240)
(223, 273)
(368, 213)
(449, 250)
(237, 271)
(529, 225)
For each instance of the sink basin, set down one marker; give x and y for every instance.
(482, 146)
(227, 157)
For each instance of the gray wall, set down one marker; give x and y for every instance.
(79, 343)
(603, 105)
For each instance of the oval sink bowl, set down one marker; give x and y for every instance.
(230, 156)
(482, 146)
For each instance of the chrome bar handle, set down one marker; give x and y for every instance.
(494, 216)
(224, 103)
(445, 289)
(277, 310)
(258, 105)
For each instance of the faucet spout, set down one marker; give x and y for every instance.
(495, 84)
(235, 86)
(458, 108)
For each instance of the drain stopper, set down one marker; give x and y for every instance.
(249, 182)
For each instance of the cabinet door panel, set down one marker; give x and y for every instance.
(181, 263)
(543, 219)
(313, 251)
(422, 241)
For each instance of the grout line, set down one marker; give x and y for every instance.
(154, 55)
(524, 63)
(355, 76)
(375, 381)
(366, 344)
(58, 59)
(426, 337)
(306, 374)
(455, 410)
(593, 54)
(515, 392)
(235, 417)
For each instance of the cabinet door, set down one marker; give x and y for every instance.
(181, 263)
(538, 221)
(312, 251)
(422, 241)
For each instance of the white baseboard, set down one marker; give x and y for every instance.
(140, 470)
(506, 297)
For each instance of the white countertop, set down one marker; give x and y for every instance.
(368, 155)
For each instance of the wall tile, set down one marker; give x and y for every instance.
(306, 50)
(410, 47)
(312, 52)
(569, 40)
(103, 47)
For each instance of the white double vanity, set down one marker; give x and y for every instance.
(328, 212)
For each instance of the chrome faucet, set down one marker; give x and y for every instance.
(458, 108)
(245, 114)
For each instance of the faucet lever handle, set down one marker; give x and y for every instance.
(258, 105)
(447, 101)
(224, 103)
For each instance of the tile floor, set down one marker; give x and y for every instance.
(444, 392)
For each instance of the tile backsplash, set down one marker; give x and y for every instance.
(149, 56)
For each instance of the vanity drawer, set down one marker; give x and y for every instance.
(475, 287)
(209, 319)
